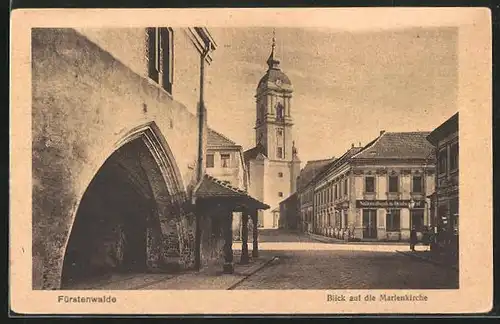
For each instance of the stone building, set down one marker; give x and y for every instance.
(377, 192)
(273, 163)
(445, 201)
(118, 146)
(305, 191)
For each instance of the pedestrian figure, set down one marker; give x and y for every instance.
(413, 238)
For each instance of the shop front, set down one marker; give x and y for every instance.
(390, 220)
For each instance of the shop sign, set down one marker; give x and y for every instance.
(389, 203)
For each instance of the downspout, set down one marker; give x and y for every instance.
(201, 111)
(199, 173)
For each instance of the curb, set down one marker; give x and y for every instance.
(251, 273)
(339, 241)
(428, 260)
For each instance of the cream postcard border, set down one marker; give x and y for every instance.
(474, 104)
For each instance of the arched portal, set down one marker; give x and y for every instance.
(124, 219)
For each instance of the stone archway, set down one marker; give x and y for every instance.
(128, 218)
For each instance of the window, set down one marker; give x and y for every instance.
(224, 159)
(335, 193)
(346, 188)
(280, 194)
(392, 220)
(417, 184)
(160, 56)
(280, 174)
(393, 184)
(370, 184)
(454, 157)
(442, 161)
(210, 161)
(279, 132)
(279, 153)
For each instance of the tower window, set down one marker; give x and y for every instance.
(279, 153)
(224, 160)
(280, 174)
(279, 111)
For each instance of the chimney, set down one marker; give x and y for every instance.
(359, 144)
(352, 145)
(382, 132)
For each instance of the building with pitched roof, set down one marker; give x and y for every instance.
(225, 162)
(273, 163)
(376, 192)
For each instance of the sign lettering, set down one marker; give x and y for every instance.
(389, 203)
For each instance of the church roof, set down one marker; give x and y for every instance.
(272, 76)
(274, 72)
(252, 153)
(398, 145)
(216, 139)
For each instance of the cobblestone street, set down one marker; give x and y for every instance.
(312, 265)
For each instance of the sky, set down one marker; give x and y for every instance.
(348, 84)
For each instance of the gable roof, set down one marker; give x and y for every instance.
(252, 153)
(310, 170)
(338, 162)
(211, 187)
(398, 145)
(216, 139)
(443, 130)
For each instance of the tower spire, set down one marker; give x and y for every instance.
(272, 61)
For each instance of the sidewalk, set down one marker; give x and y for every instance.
(326, 239)
(207, 278)
(438, 259)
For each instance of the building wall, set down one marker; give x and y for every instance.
(447, 186)
(405, 173)
(234, 174)
(85, 101)
(337, 217)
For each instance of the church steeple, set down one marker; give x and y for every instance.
(273, 62)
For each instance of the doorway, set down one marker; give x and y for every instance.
(370, 223)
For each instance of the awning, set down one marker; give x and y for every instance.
(213, 190)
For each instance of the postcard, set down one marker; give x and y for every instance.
(251, 161)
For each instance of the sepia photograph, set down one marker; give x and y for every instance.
(253, 157)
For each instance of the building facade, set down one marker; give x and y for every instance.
(289, 213)
(445, 138)
(305, 192)
(224, 161)
(377, 192)
(273, 163)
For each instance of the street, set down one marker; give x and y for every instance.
(302, 263)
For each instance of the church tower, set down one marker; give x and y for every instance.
(273, 163)
(273, 126)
